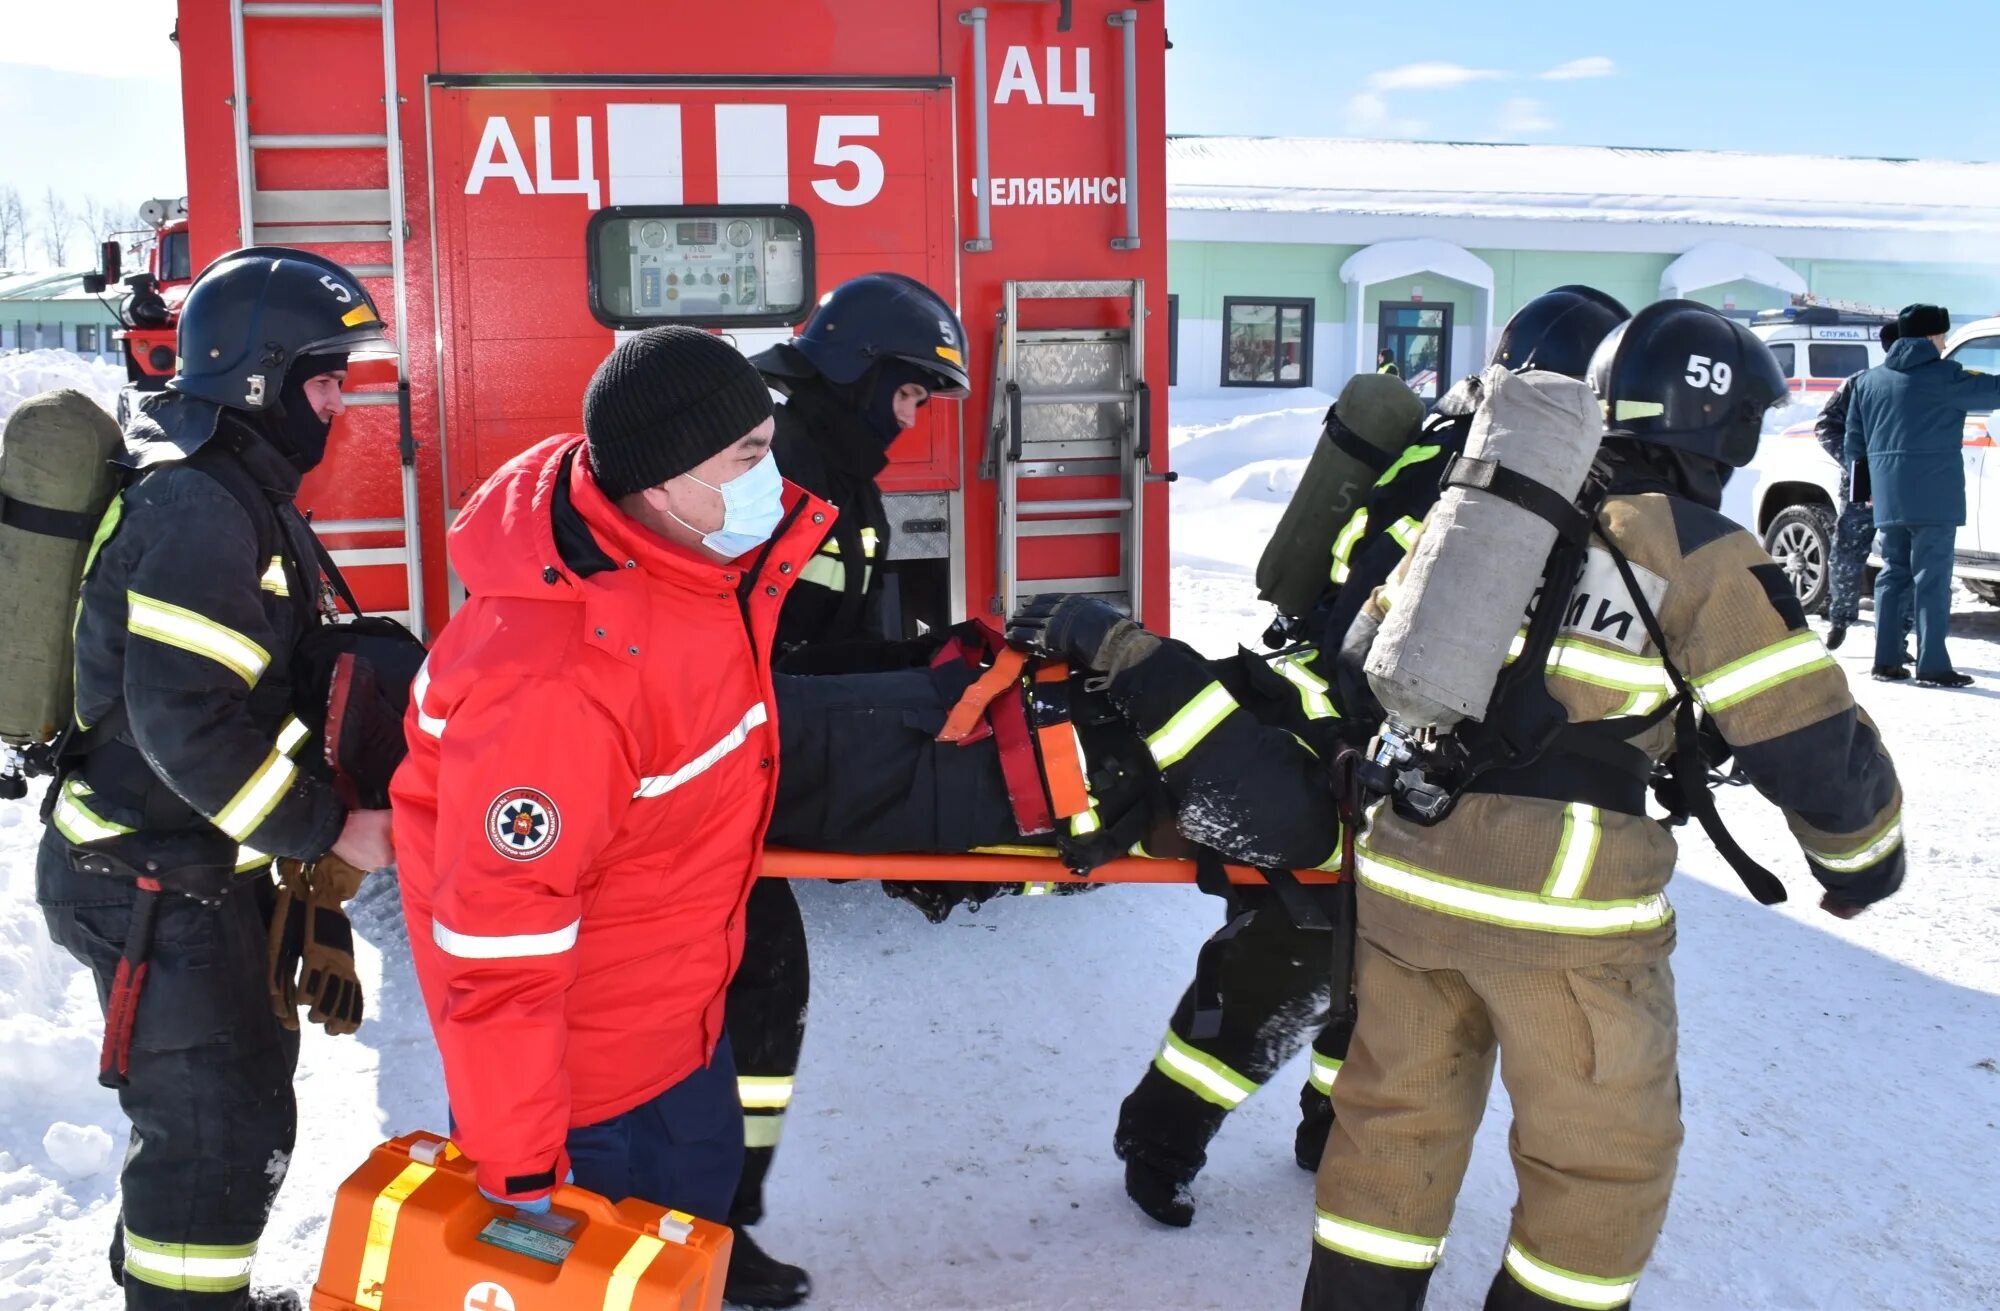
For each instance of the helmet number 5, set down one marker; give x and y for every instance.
(831, 150)
(1716, 375)
(340, 293)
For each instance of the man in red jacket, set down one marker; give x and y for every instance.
(593, 760)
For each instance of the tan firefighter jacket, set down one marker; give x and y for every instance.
(1548, 882)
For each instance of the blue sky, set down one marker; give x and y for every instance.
(100, 117)
(1824, 77)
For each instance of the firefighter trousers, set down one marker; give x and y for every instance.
(1276, 987)
(766, 1021)
(210, 1083)
(1588, 1058)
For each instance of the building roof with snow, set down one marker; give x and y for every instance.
(1580, 184)
(48, 284)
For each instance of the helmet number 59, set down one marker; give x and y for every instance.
(1716, 375)
(832, 149)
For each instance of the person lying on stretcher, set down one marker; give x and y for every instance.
(1081, 733)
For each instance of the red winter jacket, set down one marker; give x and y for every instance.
(593, 760)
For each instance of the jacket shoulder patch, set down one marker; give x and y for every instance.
(1695, 526)
(522, 823)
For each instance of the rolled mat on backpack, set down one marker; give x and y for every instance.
(1373, 422)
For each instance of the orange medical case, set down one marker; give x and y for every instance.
(411, 1232)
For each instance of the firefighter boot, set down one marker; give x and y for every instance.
(759, 1282)
(1339, 1282)
(1162, 1136)
(1507, 1294)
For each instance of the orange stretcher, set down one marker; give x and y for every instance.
(411, 1232)
(1010, 865)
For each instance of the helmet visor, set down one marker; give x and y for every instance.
(369, 341)
(946, 374)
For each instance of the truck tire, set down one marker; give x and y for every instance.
(1985, 591)
(1801, 540)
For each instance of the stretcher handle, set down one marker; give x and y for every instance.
(786, 863)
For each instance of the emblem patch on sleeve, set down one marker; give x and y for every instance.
(522, 823)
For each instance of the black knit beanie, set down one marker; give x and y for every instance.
(1923, 321)
(663, 402)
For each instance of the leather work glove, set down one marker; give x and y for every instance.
(287, 942)
(331, 984)
(1084, 631)
(333, 881)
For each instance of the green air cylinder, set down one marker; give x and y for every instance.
(1375, 419)
(56, 481)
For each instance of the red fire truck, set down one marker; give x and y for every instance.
(519, 184)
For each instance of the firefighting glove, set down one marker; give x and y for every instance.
(333, 881)
(1084, 631)
(331, 984)
(287, 942)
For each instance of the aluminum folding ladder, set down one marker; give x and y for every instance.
(370, 217)
(1071, 403)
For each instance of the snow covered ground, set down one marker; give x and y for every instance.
(949, 1146)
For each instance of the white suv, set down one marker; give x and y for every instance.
(1789, 493)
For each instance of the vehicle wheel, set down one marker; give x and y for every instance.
(1985, 591)
(1801, 540)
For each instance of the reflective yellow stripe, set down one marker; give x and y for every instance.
(1312, 688)
(1404, 530)
(1343, 545)
(74, 818)
(105, 527)
(179, 627)
(826, 571)
(1037, 889)
(630, 1269)
(1514, 910)
(189, 1267)
(764, 1129)
(1582, 831)
(1190, 724)
(1084, 824)
(1202, 1074)
(1377, 1246)
(274, 580)
(1871, 852)
(249, 858)
(1644, 678)
(292, 735)
(257, 798)
(382, 1233)
(1324, 1071)
(1759, 672)
(764, 1092)
(1590, 1292)
(1413, 455)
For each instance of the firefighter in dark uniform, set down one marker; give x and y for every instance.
(874, 352)
(1533, 916)
(1275, 978)
(185, 774)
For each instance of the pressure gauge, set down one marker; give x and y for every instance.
(653, 234)
(740, 233)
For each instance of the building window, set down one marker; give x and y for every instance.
(1417, 339)
(86, 339)
(1173, 341)
(1266, 343)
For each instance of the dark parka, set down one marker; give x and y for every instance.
(823, 446)
(1907, 419)
(192, 607)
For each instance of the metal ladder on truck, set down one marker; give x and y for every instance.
(371, 216)
(1072, 403)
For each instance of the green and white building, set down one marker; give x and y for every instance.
(1292, 261)
(52, 311)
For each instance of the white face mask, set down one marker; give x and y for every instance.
(753, 503)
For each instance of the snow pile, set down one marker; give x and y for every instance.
(1239, 457)
(30, 373)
